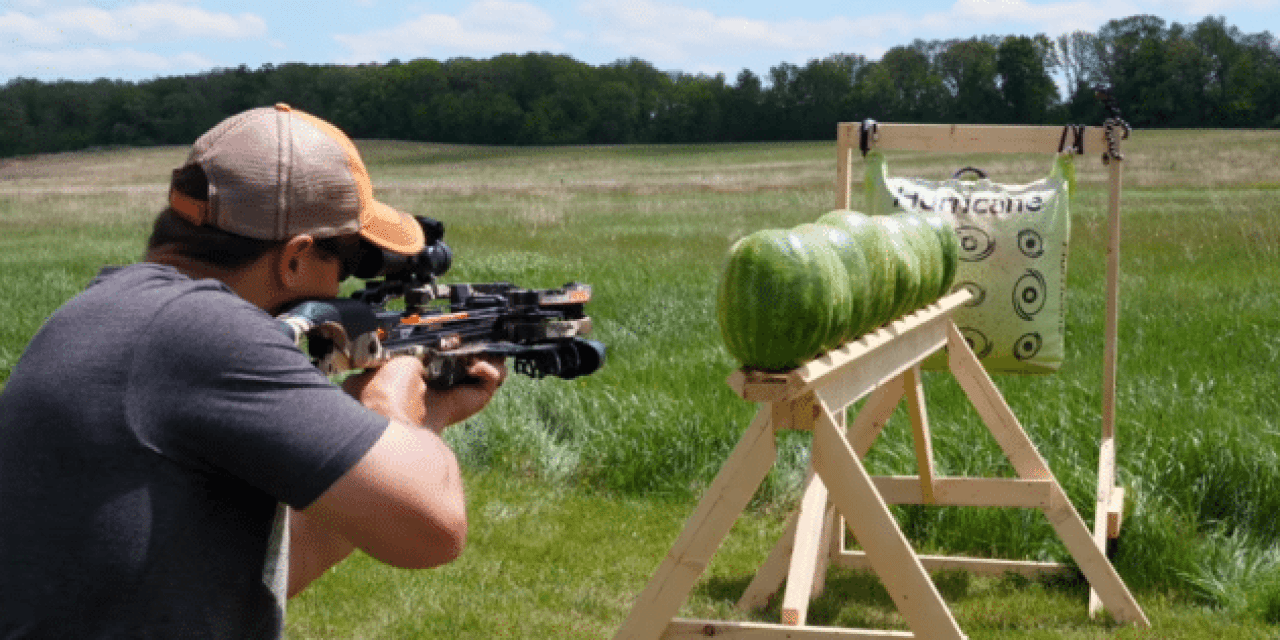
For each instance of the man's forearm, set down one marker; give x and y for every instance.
(313, 548)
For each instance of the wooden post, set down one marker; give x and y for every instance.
(1103, 517)
(920, 431)
(845, 134)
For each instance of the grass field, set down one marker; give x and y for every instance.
(577, 489)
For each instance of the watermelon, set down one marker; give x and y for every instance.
(881, 270)
(929, 249)
(950, 243)
(855, 265)
(781, 298)
(907, 270)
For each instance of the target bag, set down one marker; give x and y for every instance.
(1013, 258)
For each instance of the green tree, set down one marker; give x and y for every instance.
(919, 94)
(968, 71)
(821, 91)
(743, 103)
(1029, 93)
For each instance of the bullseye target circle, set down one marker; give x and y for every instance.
(979, 294)
(975, 244)
(978, 342)
(1030, 243)
(1029, 294)
(1027, 346)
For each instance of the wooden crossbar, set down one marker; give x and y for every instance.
(682, 629)
(977, 566)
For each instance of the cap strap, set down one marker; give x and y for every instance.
(192, 210)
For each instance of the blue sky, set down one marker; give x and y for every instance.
(136, 40)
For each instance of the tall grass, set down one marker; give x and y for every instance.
(1198, 393)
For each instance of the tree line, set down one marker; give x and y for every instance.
(1207, 74)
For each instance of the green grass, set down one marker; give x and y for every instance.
(578, 488)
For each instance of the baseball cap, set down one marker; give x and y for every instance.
(277, 172)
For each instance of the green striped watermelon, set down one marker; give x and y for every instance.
(855, 266)
(907, 271)
(881, 273)
(929, 249)
(780, 299)
(950, 243)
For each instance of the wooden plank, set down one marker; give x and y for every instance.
(804, 554)
(1102, 577)
(846, 135)
(968, 492)
(848, 384)
(830, 522)
(794, 413)
(718, 509)
(866, 427)
(1022, 453)
(1115, 513)
(978, 566)
(978, 138)
(891, 556)
(864, 431)
(993, 410)
(885, 352)
(685, 629)
(773, 572)
(875, 414)
(1110, 350)
(913, 382)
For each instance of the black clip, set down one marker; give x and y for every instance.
(868, 129)
(1077, 132)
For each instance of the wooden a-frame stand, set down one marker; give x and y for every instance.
(885, 365)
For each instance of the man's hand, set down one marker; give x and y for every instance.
(399, 391)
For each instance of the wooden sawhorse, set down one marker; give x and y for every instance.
(815, 396)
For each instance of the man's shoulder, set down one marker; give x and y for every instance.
(177, 319)
(150, 278)
(171, 295)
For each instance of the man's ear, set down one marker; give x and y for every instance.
(290, 267)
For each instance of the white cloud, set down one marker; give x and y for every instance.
(673, 34)
(1020, 15)
(75, 62)
(32, 31)
(487, 27)
(134, 23)
(1054, 18)
(1200, 8)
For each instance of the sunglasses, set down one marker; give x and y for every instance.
(348, 250)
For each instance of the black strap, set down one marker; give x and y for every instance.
(868, 129)
(974, 170)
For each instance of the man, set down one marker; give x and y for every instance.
(166, 453)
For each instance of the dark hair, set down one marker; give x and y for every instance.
(209, 245)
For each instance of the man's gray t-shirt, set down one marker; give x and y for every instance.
(147, 436)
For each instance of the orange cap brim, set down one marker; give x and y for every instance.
(391, 229)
